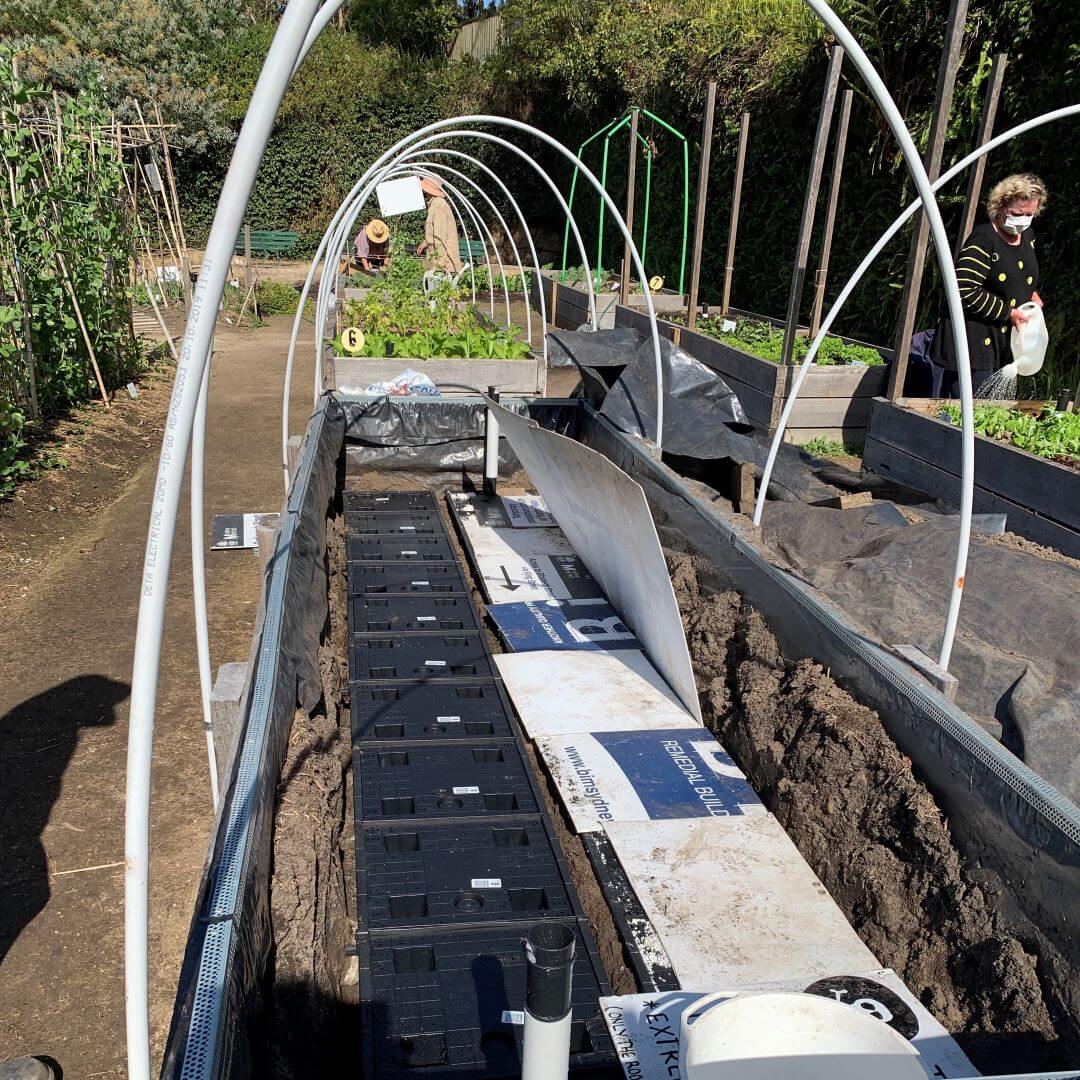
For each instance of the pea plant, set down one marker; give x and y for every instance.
(64, 245)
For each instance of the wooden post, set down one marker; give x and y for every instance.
(185, 274)
(830, 211)
(172, 182)
(950, 61)
(702, 196)
(736, 203)
(247, 256)
(813, 186)
(631, 180)
(986, 130)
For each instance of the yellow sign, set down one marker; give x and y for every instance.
(656, 283)
(352, 341)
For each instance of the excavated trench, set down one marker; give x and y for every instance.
(821, 762)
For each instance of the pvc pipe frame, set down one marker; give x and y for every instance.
(860, 271)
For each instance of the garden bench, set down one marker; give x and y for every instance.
(270, 242)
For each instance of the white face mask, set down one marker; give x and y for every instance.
(1017, 223)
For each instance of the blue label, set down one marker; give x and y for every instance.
(534, 625)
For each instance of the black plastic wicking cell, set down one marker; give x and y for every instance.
(451, 1003)
(458, 874)
(406, 578)
(420, 657)
(394, 502)
(379, 548)
(371, 613)
(431, 710)
(443, 780)
(418, 523)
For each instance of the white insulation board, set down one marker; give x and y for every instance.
(510, 543)
(504, 511)
(646, 1028)
(566, 692)
(734, 903)
(541, 577)
(645, 776)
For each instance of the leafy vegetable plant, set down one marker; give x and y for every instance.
(1052, 434)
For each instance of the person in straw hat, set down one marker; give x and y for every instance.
(440, 247)
(372, 246)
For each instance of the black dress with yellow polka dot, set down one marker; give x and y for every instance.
(994, 277)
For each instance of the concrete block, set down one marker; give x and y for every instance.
(930, 670)
(225, 719)
(292, 452)
(266, 537)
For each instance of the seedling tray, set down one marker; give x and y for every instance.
(443, 780)
(402, 548)
(394, 502)
(408, 578)
(423, 657)
(417, 523)
(429, 711)
(449, 1004)
(370, 613)
(416, 877)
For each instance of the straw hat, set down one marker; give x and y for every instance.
(376, 231)
(429, 187)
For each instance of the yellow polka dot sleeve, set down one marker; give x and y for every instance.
(972, 271)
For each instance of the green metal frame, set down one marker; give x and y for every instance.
(608, 131)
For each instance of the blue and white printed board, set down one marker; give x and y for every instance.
(646, 1029)
(505, 580)
(504, 511)
(565, 692)
(561, 624)
(484, 541)
(645, 776)
(734, 903)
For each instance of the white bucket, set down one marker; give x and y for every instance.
(793, 1037)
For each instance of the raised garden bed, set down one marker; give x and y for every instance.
(524, 376)
(568, 305)
(834, 401)
(907, 442)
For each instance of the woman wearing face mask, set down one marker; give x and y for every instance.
(997, 272)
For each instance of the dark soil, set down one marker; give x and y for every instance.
(826, 768)
(311, 993)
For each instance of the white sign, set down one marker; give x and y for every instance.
(402, 196)
(646, 1029)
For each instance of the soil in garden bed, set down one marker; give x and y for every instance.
(871, 831)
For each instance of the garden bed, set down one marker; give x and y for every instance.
(568, 305)
(834, 401)
(525, 376)
(907, 442)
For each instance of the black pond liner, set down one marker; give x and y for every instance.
(1006, 821)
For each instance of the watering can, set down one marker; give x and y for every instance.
(1028, 342)
(778, 1036)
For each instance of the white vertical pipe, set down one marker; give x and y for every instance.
(491, 445)
(198, 573)
(194, 355)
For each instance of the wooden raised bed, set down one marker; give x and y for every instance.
(834, 400)
(906, 442)
(568, 305)
(527, 376)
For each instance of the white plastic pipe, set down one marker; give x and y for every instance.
(198, 573)
(491, 445)
(861, 269)
(952, 298)
(198, 337)
(321, 21)
(355, 201)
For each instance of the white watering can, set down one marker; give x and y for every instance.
(1028, 342)
(792, 1037)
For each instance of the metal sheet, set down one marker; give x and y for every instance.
(734, 903)
(563, 693)
(542, 577)
(646, 1029)
(645, 776)
(606, 518)
(539, 625)
(506, 511)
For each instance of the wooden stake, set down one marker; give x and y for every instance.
(631, 180)
(986, 129)
(736, 204)
(702, 197)
(813, 186)
(830, 211)
(172, 181)
(247, 256)
(909, 304)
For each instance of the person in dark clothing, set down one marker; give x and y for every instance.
(997, 272)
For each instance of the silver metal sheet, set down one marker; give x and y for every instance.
(606, 518)
(564, 692)
(734, 903)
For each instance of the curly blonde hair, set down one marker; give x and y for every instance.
(1018, 186)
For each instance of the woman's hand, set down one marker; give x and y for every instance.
(1018, 317)
(420, 250)
(1037, 299)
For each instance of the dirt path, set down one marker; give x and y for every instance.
(70, 561)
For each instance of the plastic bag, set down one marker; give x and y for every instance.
(1029, 341)
(407, 384)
